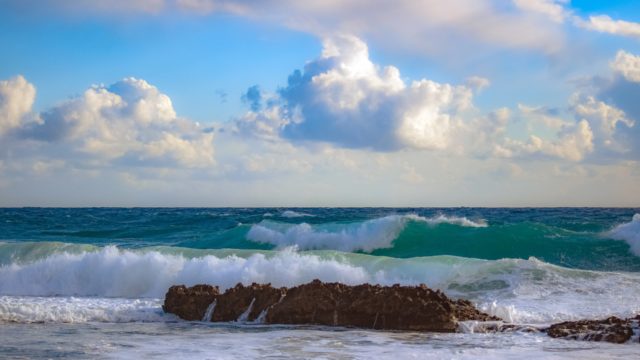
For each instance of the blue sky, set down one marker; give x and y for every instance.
(487, 102)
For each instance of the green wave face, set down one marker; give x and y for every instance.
(586, 250)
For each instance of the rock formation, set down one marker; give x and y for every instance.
(190, 303)
(612, 329)
(416, 308)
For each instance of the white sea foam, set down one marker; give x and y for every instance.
(112, 272)
(629, 232)
(445, 219)
(294, 214)
(73, 309)
(369, 235)
(528, 291)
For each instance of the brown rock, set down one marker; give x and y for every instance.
(465, 311)
(372, 306)
(395, 307)
(189, 303)
(248, 300)
(613, 329)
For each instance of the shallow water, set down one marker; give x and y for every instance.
(222, 341)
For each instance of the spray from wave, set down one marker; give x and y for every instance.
(294, 214)
(629, 232)
(364, 236)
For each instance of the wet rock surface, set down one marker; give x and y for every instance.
(189, 303)
(612, 329)
(246, 303)
(415, 308)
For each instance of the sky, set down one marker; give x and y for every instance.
(320, 103)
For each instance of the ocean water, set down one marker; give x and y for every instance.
(89, 283)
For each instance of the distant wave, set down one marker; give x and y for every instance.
(365, 236)
(517, 290)
(294, 214)
(629, 232)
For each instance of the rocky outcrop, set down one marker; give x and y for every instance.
(612, 329)
(372, 306)
(246, 303)
(416, 308)
(190, 303)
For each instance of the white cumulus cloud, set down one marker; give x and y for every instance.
(16, 99)
(603, 118)
(573, 143)
(627, 65)
(130, 120)
(344, 98)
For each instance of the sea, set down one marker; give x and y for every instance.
(90, 282)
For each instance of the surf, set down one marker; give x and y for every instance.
(518, 290)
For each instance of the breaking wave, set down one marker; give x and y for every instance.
(124, 285)
(629, 232)
(364, 236)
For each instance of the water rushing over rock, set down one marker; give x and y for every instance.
(190, 303)
(612, 329)
(396, 307)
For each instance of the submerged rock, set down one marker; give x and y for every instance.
(189, 303)
(395, 307)
(612, 329)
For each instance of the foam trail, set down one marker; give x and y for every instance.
(629, 232)
(365, 236)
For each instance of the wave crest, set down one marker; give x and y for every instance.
(365, 236)
(629, 232)
(294, 214)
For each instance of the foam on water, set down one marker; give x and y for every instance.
(238, 342)
(521, 291)
(294, 214)
(23, 309)
(629, 232)
(369, 235)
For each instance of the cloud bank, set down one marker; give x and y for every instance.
(130, 121)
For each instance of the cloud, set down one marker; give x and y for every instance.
(627, 65)
(605, 24)
(130, 121)
(572, 141)
(604, 119)
(554, 9)
(253, 97)
(345, 99)
(621, 90)
(402, 23)
(16, 99)
(83, 8)
(477, 83)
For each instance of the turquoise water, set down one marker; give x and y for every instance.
(575, 238)
(103, 273)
